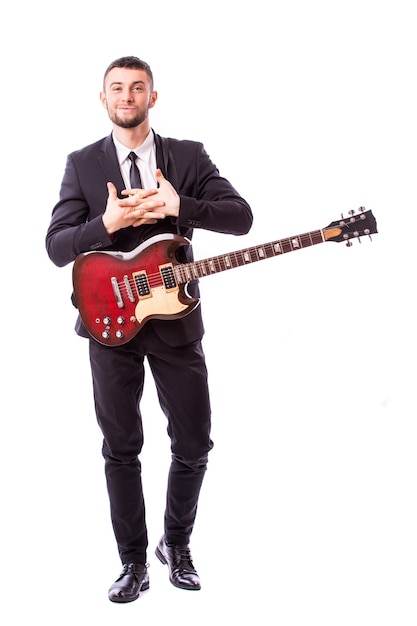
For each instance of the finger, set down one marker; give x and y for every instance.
(131, 192)
(112, 191)
(159, 176)
(140, 214)
(143, 207)
(140, 193)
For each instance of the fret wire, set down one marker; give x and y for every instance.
(238, 258)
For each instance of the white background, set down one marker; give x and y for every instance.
(308, 511)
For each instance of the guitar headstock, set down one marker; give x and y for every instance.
(353, 227)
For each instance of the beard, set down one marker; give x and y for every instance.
(134, 121)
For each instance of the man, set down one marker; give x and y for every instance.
(178, 189)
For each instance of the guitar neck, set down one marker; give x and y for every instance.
(197, 269)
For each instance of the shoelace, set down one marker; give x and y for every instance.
(129, 568)
(183, 557)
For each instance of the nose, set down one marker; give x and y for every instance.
(127, 95)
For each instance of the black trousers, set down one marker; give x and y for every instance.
(180, 376)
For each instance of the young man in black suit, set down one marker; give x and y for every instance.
(101, 207)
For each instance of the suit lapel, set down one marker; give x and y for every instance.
(110, 165)
(164, 160)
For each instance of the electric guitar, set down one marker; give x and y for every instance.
(118, 292)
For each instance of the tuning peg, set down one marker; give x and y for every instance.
(361, 209)
(349, 244)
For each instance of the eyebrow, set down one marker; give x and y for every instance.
(119, 82)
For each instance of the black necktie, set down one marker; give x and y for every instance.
(135, 181)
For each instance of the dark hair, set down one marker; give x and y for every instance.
(132, 63)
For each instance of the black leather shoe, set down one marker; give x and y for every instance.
(182, 573)
(133, 579)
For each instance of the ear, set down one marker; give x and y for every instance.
(153, 98)
(103, 98)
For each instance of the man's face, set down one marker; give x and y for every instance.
(127, 96)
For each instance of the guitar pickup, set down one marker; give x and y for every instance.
(142, 284)
(167, 274)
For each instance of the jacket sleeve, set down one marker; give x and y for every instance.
(207, 200)
(74, 227)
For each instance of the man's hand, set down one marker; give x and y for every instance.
(152, 204)
(137, 209)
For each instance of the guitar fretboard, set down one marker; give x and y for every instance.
(197, 269)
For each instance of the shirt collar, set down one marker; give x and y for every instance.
(143, 151)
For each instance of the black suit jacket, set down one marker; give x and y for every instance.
(207, 201)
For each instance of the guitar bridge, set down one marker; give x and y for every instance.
(128, 288)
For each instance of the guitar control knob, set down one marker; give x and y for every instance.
(105, 334)
(107, 321)
(121, 320)
(119, 334)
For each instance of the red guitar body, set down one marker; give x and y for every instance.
(118, 292)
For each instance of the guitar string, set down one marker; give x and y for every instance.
(241, 256)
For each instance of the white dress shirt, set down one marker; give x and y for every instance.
(146, 161)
